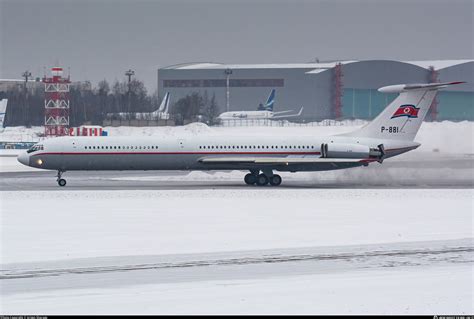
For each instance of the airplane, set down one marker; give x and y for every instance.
(3, 111)
(263, 112)
(391, 133)
(161, 113)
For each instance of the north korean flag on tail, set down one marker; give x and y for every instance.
(408, 110)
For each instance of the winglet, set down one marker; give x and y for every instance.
(301, 111)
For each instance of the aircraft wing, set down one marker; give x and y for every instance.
(289, 115)
(282, 160)
(282, 112)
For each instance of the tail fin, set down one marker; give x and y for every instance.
(402, 118)
(164, 104)
(270, 101)
(3, 110)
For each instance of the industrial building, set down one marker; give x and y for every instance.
(338, 89)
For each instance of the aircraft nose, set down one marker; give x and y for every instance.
(24, 158)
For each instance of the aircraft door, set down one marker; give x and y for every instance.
(185, 161)
(181, 143)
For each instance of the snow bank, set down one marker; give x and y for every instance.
(11, 164)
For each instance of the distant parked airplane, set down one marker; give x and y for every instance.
(160, 114)
(391, 133)
(263, 112)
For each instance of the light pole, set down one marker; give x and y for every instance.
(129, 73)
(26, 75)
(227, 72)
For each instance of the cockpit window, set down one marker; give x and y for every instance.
(36, 147)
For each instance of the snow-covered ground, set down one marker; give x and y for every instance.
(43, 230)
(121, 223)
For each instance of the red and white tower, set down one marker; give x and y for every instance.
(433, 77)
(337, 91)
(56, 103)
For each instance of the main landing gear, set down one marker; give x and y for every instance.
(61, 181)
(265, 178)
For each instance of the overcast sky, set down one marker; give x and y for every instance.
(104, 38)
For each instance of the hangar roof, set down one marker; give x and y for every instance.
(318, 67)
(439, 64)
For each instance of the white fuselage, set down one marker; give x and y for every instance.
(171, 153)
(140, 116)
(250, 115)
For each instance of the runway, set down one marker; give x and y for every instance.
(95, 273)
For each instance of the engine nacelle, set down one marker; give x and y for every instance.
(339, 150)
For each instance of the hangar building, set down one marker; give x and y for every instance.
(338, 89)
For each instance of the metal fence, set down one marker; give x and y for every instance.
(277, 123)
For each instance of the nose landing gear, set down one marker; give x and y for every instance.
(61, 181)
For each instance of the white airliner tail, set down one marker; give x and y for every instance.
(164, 104)
(402, 118)
(3, 110)
(270, 101)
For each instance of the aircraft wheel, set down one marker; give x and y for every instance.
(62, 182)
(250, 179)
(262, 180)
(275, 180)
